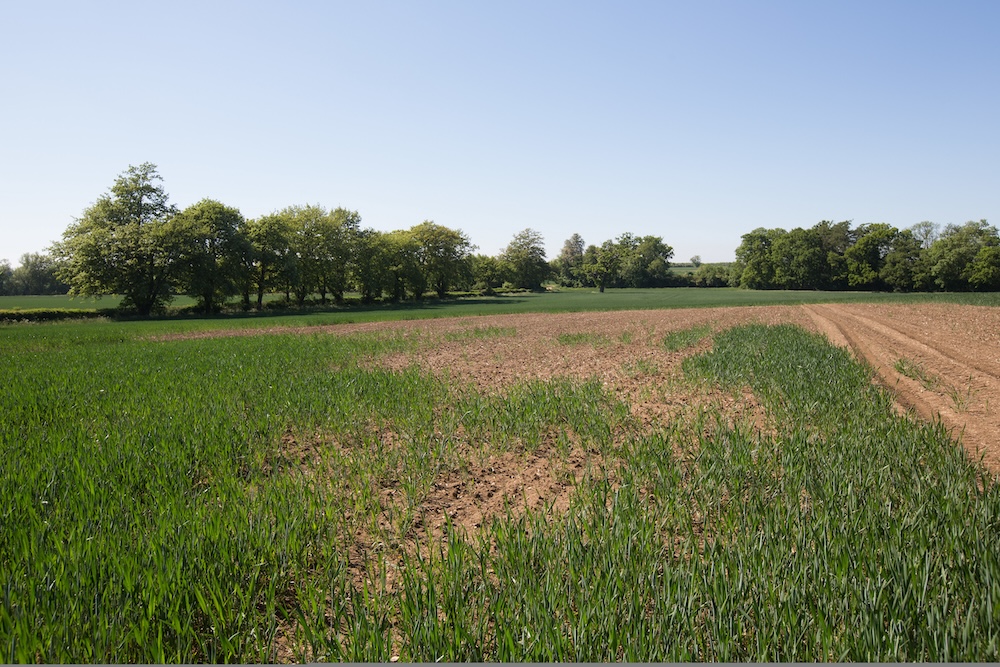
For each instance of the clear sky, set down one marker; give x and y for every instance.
(696, 121)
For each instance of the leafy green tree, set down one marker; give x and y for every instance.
(488, 273)
(216, 264)
(405, 273)
(270, 242)
(835, 238)
(952, 255)
(923, 278)
(322, 247)
(442, 254)
(306, 259)
(902, 263)
(5, 273)
(754, 264)
(568, 265)
(866, 257)
(645, 261)
(126, 243)
(799, 260)
(711, 275)
(925, 232)
(525, 257)
(602, 265)
(370, 266)
(36, 274)
(984, 274)
(338, 239)
(245, 284)
(629, 270)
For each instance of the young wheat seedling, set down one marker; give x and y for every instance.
(915, 371)
(961, 399)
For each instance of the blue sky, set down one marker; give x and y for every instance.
(693, 121)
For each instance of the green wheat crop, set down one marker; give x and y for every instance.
(685, 338)
(253, 499)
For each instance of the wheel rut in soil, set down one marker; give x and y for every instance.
(940, 370)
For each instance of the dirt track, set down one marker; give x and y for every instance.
(951, 362)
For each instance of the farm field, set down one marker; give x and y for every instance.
(57, 301)
(563, 300)
(674, 484)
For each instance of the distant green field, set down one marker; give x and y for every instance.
(562, 301)
(33, 302)
(53, 302)
(695, 297)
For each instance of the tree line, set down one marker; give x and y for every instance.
(36, 274)
(134, 243)
(628, 261)
(877, 256)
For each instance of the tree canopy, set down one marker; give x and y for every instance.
(525, 260)
(568, 267)
(36, 274)
(627, 261)
(442, 254)
(126, 243)
(132, 241)
(874, 256)
(217, 259)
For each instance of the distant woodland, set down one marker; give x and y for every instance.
(133, 242)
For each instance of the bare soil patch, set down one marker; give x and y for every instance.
(622, 349)
(510, 482)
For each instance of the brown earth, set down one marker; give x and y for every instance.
(951, 362)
